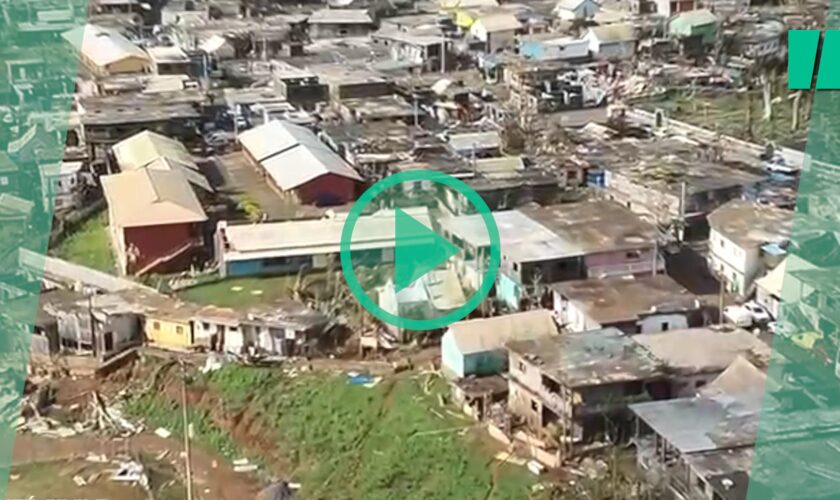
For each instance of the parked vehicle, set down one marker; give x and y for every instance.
(779, 165)
(760, 316)
(738, 316)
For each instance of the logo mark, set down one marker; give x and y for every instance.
(418, 250)
(803, 47)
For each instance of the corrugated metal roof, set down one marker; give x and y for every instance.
(143, 148)
(490, 334)
(313, 237)
(149, 150)
(292, 155)
(698, 424)
(150, 197)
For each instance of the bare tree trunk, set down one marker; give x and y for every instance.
(767, 95)
(794, 119)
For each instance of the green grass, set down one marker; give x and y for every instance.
(384, 442)
(241, 292)
(89, 245)
(157, 411)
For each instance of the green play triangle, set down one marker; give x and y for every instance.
(417, 249)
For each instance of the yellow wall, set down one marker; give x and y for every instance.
(464, 19)
(169, 333)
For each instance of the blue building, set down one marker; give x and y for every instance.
(477, 347)
(287, 247)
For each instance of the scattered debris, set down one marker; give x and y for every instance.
(535, 467)
(213, 363)
(244, 465)
(163, 433)
(99, 459)
(79, 480)
(131, 472)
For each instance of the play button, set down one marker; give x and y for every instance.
(417, 249)
(401, 268)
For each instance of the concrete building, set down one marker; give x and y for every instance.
(545, 245)
(696, 356)
(745, 241)
(169, 61)
(63, 184)
(612, 41)
(573, 389)
(644, 304)
(497, 30)
(672, 180)
(550, 47)
(340, 23)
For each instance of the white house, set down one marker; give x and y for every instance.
(746, 240)
(570, 10)
(497, 30)
(645, 304)
(612, 41)
(63, 183)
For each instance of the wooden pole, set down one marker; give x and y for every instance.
(184, 414)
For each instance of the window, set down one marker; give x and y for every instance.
(534, 405)
(516, 266)
(521, 366)
(205, 326)
(4, 181)
(665, 326)
(156, 325)
(233, 329)
(179, 330)
(635, 254)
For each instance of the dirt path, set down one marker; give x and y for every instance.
(213, 478)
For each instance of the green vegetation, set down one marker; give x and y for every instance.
(157, 411)
(241, 292)
(390, 441)
(250, 208)
(727, 112)
(89, 245)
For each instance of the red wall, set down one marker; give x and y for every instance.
(154, 242)
(329, 189)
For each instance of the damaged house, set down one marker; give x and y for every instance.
(572, 390)
(97, 325)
